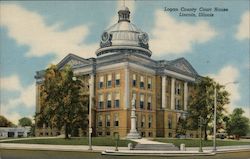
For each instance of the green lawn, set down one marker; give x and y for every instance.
(97, 141)
(196, 142)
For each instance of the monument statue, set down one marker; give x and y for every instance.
(133, 134)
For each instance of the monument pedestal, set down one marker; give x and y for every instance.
(133, 134)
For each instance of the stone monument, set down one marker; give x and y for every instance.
(133, 134)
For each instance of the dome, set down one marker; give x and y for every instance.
(123, 35)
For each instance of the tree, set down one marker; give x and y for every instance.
(25, 121)
(237, 124)
(62, 104)
(5, 122)
(202, 103)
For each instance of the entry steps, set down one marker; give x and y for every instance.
(157, 147)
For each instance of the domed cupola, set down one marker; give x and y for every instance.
(124, 36)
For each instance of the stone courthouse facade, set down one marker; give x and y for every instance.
(123, 69)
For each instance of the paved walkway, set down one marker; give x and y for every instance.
(58, 147)
(146, 141)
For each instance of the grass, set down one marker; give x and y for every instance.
(109, 141)
(96, 141)
(196, 142)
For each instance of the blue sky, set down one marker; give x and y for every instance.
(36, 34)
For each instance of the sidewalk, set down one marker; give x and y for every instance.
(57, 147)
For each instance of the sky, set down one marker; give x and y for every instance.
(35, 34)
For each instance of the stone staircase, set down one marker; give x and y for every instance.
(157, 147)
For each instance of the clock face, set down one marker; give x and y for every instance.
(144, 38)
(105, 37)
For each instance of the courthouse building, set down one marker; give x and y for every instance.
(123, 69)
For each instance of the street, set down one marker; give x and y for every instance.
(31, 154)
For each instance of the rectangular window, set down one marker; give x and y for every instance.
(134, 80)
(149, 121)
(117, 100)
(100, 120)
(150, 134)
(177, 104)
(99, 133)
(170, 121)
(178, 89)
(117, 79)
(109, 100)
(141, 82)
(100, 105)
(149, 83)
(169, 134)
(101, 80)
(109, 81)
(149, 103)
(116, 120)
(143, 121)
(142, 101)
(107, 120)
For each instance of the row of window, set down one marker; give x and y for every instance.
(109, 80)
(108, 121)
(142, 101)
(117, 81)
(142, 123)
(142, 81)
(107, 133)
(109, 100)
(116, 101)
(116, 121)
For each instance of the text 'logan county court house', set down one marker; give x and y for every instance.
(123, 69)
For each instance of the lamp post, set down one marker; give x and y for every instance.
(200, 123)
(90, 107)
(91, 94)
(215, 111)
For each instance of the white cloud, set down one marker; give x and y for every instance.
(29, 28)
(25, 99)
(131, 7)
(10, 83)
(227, 75)
(170, 36)
(243, 31)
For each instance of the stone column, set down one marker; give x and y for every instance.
(126, 94)
(172, 93)
(133, 134)
(163, 98)
(185, 95)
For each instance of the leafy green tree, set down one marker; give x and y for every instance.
(32, 130)
(25, 121)
(237, 124)
(62, 104)
(202, 103)
(5, 122)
